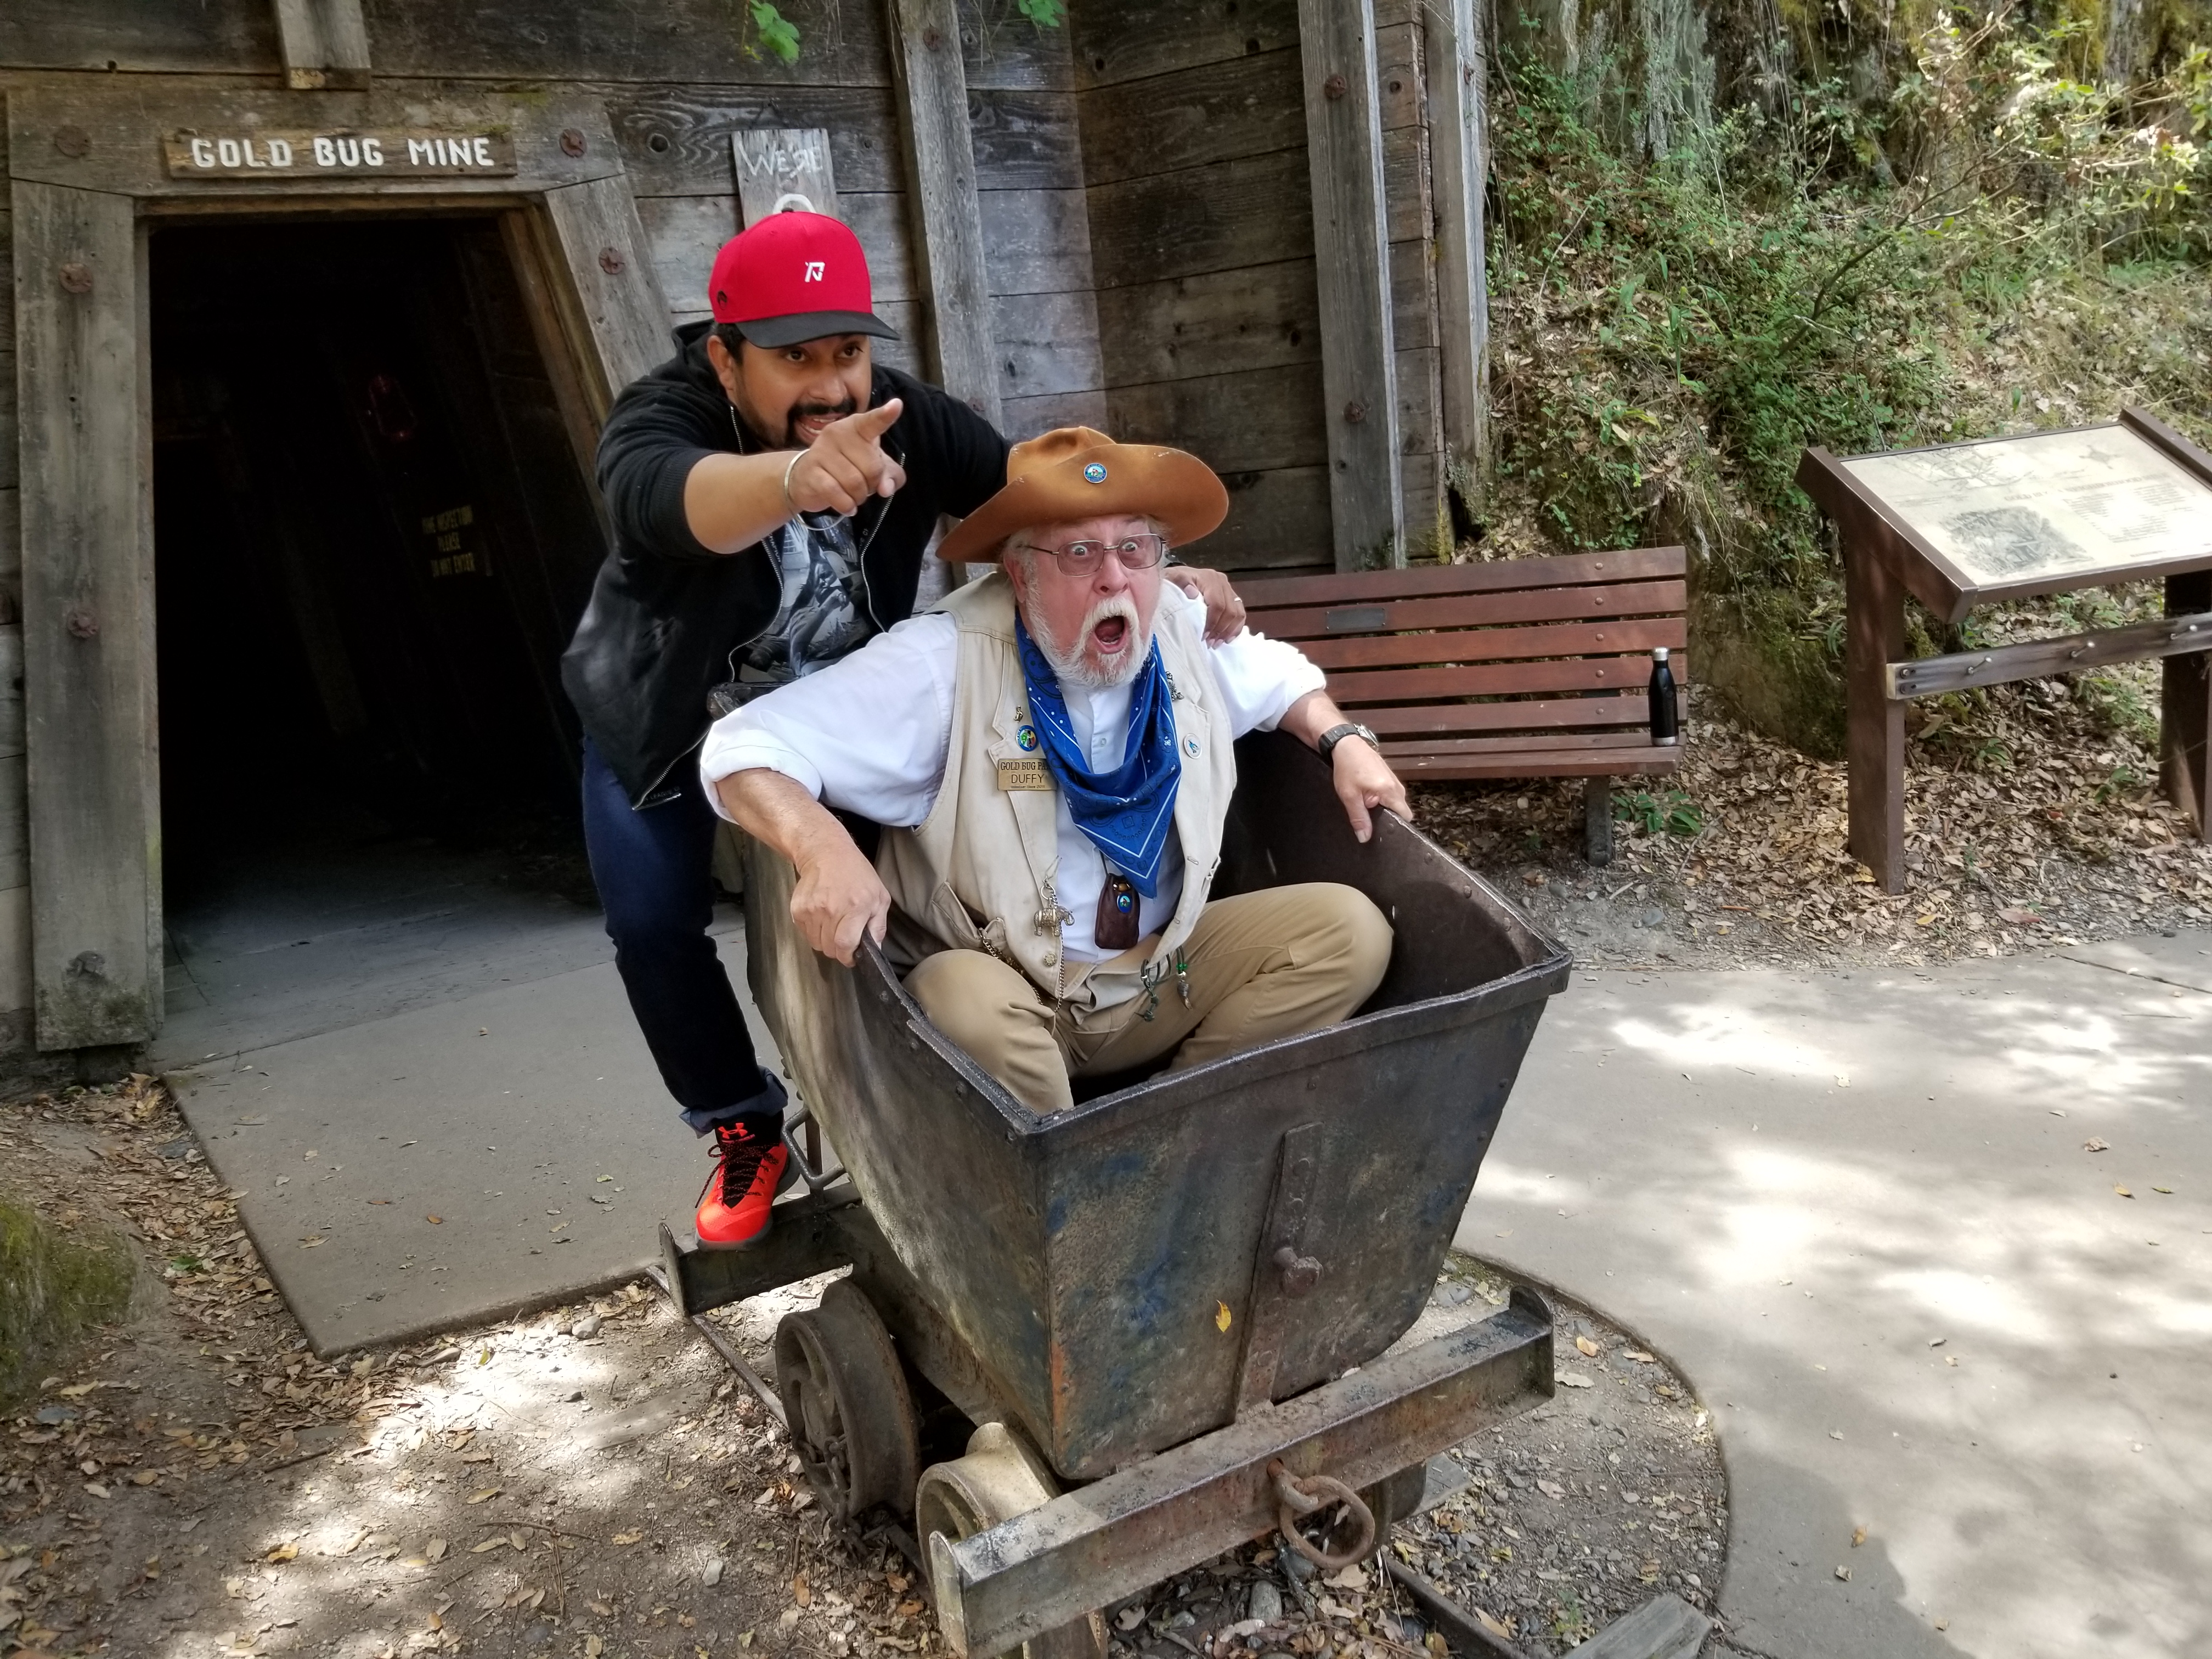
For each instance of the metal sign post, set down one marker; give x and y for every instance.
(2011, 517)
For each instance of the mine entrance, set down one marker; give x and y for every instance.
(372, 539)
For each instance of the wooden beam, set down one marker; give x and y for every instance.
(947, 219)
(2185, 707)
(611, 282)
(1874, 722)
(2174, 635)
(93, 776)
(1459, 163)
(326, 45)
(1351, 251)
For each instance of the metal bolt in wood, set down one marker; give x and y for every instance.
(73, 141)
(611, 261)
(572, 142)
(77, 279)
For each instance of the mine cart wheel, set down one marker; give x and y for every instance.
(1000, 1477)
(845, 1397)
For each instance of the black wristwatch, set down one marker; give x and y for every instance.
(1337, 734)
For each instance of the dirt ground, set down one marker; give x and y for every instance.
(2032, 822)
(592, 1480)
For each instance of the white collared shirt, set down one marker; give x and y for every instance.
(869, 735)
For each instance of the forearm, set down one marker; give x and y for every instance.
(1311, 716)
(779, 812)
(731, 502)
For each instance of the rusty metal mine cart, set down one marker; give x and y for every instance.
(1163, 1309)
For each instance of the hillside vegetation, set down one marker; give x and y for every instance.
(1719, 240)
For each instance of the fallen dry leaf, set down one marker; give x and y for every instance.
(283, 1553)
(1640, 1357)
(1573, 1380)
(2096, 1144)
(2123, 1192)
(489, 1491)
(435, 1550)
(800, 1592)
(1858, 1536)
(627, 1538)
(1588, 1347)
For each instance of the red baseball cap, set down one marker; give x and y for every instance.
(794, 276)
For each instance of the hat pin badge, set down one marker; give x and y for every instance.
(1096, 472)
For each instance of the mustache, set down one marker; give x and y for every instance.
(814, 411)
(1067, 660)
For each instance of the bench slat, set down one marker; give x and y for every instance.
(1633, 737)
(1536, 764)
(1606, 639)
(1357, 688)
(1523, 715)
(1497, 575)
(1534, 605)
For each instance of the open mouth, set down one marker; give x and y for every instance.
(813, 428)
(1111, 634)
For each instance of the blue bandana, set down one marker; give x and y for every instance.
(1125, 813)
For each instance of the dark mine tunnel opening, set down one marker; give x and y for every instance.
(372, 537)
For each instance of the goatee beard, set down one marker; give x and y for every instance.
(1075, 665)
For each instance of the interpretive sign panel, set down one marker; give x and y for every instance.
(2051, 506)
(2011, 517)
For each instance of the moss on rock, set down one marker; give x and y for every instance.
(54, 1286)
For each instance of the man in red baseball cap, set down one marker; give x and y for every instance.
(772, 491)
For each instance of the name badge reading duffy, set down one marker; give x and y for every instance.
(1024, 774)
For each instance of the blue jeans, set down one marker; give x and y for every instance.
(652, 868)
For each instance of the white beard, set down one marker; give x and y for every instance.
(1079, 665)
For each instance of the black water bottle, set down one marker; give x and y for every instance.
(1663, 729)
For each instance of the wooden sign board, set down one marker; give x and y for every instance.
(2009, 517)
(781, 168)
(392, 153)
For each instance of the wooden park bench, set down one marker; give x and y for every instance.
(1522, 668)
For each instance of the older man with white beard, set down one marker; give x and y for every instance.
(1052, 753)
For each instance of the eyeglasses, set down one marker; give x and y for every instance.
(1082, 558)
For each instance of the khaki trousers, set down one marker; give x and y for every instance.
(1262, 965)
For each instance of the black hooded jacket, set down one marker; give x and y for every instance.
(667, 616)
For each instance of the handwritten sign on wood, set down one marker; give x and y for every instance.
(781, 167)
(389, 153)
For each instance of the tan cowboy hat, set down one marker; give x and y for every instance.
(1075, 472)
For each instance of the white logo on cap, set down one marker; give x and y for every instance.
(813, 272)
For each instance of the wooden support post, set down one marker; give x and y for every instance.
(612, 283)
(1352, 253)
(1459, 163)
(947, 219)
(94, 777)
(2186, 710)
(1597, 821)
(1873, 740)
(326, 45)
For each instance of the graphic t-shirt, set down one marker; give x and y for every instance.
(823, 614)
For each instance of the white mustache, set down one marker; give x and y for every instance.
(1119, 604)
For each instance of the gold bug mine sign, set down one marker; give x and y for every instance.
(393, 154)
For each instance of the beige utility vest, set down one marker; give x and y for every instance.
(980, 873)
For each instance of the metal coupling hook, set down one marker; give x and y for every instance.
(1296, 1497)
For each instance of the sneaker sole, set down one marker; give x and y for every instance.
(790, 1175)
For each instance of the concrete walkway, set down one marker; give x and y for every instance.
(503, 1140)
(1857, 1212)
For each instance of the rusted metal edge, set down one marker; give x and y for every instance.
(1169, 1512)
(812, 1235)
(1461, 1628)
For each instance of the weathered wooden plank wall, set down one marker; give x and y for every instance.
(1193, 151)
(15, 1017)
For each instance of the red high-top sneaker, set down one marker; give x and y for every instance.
(733, 1207)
